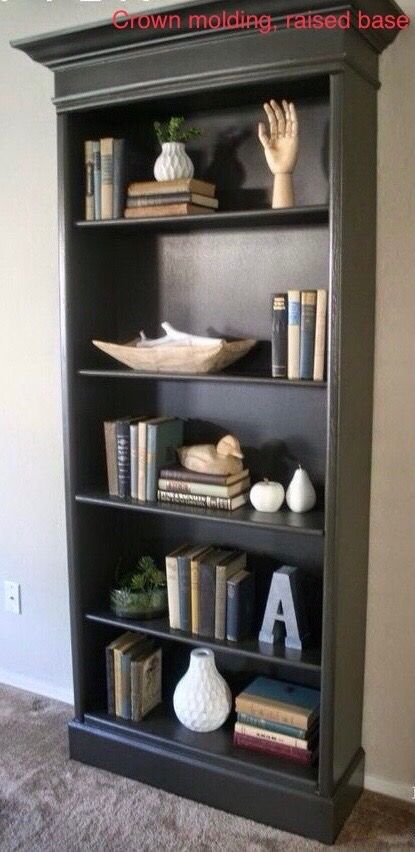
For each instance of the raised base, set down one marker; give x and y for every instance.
(286, 803)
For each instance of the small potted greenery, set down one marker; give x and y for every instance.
(141, 592)
(173, 162)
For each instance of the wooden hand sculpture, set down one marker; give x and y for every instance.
(281, 149)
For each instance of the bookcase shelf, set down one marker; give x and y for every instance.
(215, 274)
(315, 214)
(309, 658)
(235, 378)
(309, 523)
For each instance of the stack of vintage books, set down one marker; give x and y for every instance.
(105, 178)
(176, 484)
(299, 319)
(279, 718)
(210, 592)
(133, 676)
(184, 197)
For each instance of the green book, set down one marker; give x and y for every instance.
(277, 727)
(163, 438)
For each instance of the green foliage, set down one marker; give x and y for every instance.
(174, 130)
(146, 577)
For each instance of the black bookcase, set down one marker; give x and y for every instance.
(217, 274)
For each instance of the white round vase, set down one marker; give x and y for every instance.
(173, 162)
(300, 495)
(202, 699)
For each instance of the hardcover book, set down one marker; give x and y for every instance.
(278, 727)
(279, 335)
(171, 198)
(154, 187)
(195, 588)
(172, 576)
(279, 701)
(239, 605)
(107, 147)
(123, 457)
(122, 676)
(111, 456)
(146, 670)
(183, 209)
(96, 155)
(119, 178)
(307, 333)
(184, 561)
(228, 504)
(294, 317)
(163, 438)
(320, 336)
(255, 744)
(225, 569)
(275, 737)
(181, 474)
(89, 181)
(207, 590)
(204, 489)
(134, 460)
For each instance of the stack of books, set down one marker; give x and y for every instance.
(170, 198)
(205, 490)
(279, 718)
(133, 676)
(105, 178)
(210, 592)
(136, 449)
(299, 334)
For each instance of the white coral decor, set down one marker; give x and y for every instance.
(202, 700)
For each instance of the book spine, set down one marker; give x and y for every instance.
(142, 460)
(150, 674)
(232, 611)
(290, 731)
(134, 460)
(307, 333)
(195, 594)
(89, 182)
(320, 336)
(225, 503)
(220, 603)
(185, 601)
(172, 577)
(279, 336)
(207, 599)
(96, 151)
(136, 690)
(156, 210)
(270, 736)
(151, 475)
(294, 316)
(202, 489)
(153, 187)
(119, 166)
(125, 699)
(109, 660)
(271, 712)
(297, 755)
(111, 456)
(123, 458)
(107, 151)
(182, 475)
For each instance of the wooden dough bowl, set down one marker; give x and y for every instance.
(177, 358)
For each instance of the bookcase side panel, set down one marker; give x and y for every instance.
(350, 420)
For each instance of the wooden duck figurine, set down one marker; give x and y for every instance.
(224, 458)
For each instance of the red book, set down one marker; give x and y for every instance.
(298, 755)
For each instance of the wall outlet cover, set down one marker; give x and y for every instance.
(12, 602)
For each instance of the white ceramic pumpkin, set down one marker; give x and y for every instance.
(267, 496)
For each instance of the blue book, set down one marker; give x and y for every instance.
(279, 701)
(307, 333)
(277, 727)
(163, 438)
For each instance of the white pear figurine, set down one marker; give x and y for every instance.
(301, 496)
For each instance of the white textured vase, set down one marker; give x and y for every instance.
(300, 496)
(173, 162)
(202, 699)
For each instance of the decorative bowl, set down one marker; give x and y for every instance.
(177, 357)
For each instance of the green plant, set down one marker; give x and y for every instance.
(174, 130)
(145, 577)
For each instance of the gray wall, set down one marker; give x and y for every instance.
(35, 647)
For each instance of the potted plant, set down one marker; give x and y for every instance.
(140, 593)
(173, 162)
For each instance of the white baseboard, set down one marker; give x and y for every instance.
(389, 788)
(39, 687)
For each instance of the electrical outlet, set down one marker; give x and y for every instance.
(12, 597)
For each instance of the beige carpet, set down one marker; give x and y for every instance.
(51, 804)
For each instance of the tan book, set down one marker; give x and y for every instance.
(204, 488)
(270, 736)
(134, 201)
(107, 186)
(89, 181)
(111, 456)
(166, 210)
(172, 577)
(142, 460)
(293, 333)
(226, 569)
(195, 587)
(145, 684)
(271, 711)
(320, 338)
(166, 187)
